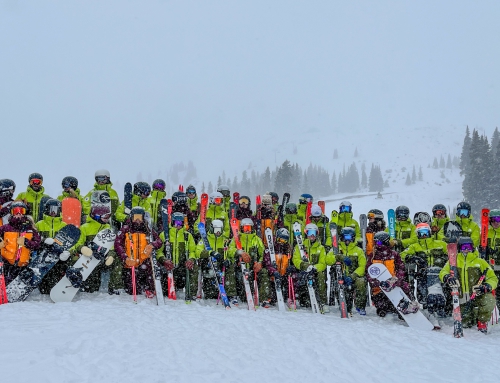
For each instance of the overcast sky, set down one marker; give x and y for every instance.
(131, 85)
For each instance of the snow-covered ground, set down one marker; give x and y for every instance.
(99, 338)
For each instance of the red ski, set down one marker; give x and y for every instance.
(204, 207)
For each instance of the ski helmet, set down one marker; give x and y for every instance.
(216, 227)
(291, 208)
(246, 225)
(465, 243)
(316, 211)
(69, 182)
(402, 213)
(177, 219)
(345, 207)
(102, 176)
(216, 198)
(347, 234)
(267, 199)
(7, 188)
(190, 190)
(35, 176)
(463, 209)
(311, 229)
(494, 215)
(375, 213)
(282, 235)
(423, 230)
(52, 208)
(224, 190)
(102, 213)
(159, 184)
(136, 212)
(245, 199)
(179, 198)
(275, 197)
(305, 198)
(18, 207)
(35, 180)
(141, 189)
(382, 238)
(439, 209)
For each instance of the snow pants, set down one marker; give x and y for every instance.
(180, 277)
(143, 278)
(302, 292)
(478, 309)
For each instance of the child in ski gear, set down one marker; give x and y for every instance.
(353, 261)
(18, 239)
(133, 247)
(475, 281)
(48, 227)
(139, 199)
(315, 257)
(182, 250)
(154, 199)
(344, 218)
(102, 182)
(7, 190)
(33, 194)
(382, 253)
(405, 230)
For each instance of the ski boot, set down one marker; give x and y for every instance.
(361, 311)
(482, 326)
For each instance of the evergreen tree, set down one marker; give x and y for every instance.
(495, 139)
(219, 181)
(210, 188)
(266, 179)
(356, 152)
(375, 179)
(334, 183)
(245, 183)
(442, 164)
(284, 178)
(420, 174)
(408, 179)
(435, 164)
(364, 177)
(413, 175)
(203, 187)
(449, 165)
(465, 156)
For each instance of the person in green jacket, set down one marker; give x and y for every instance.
(139, 199)
(424, 261)
(405, 230)
(102, 182)
(353, 261)
(193, 204)
(315, 257)
(48, 228)
(182, 256)
(99, 219)
(493, 250)
(289, 218)
(70, 190)
(476, 300)
(465, 219)
(226, 196)
(439, 218)
(33, 194)
(304, 199)
(319, 219)
(219, 244)
(215, 210)
(154, 199)
(344, 218)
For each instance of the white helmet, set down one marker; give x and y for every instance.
(102, 172)
(216, 196)
(309, 228)
(245, 222)
(217, 226)
(316, 211)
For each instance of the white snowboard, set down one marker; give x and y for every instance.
(415, 320)
(64, 291)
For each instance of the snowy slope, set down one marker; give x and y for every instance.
(99, 338)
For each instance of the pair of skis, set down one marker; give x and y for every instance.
(337, 287)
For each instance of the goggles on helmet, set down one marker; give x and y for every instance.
(101, 179)
(348, 237)
(159, 186)
(373, 216)
(53, 209)
(464, 212)
(244, 201)
(18, 210)
(217, 200)
(467, 247)
(378, 242)
(424, 231)
(281, 240)
(190, 191)
(495, 219)
(178, 223)
(247, 228)
(311, 232)
(440, 212)
(345, 209)
(137, 217)
(36, 181)
(66, 185)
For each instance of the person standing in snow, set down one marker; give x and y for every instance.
(439, 218)
(405, 230)
(158, 186)
(33, 194)
(139, 199)
(7, 190)
(102, 182)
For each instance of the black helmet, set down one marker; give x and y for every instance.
(142, 188)
(383, 237)
(179, 198)
(375, 213)
(7, 188)
(282, 235)
(18, 204)
(305, 198)
(462, 241)
(52, 206)
(402, 212)
(137, 210)
(347, 234)
(244, 198)
(291, 208)
(437, 207)
(159, 184)
(190, 190)
(274, 196)
(69, 182)
(36, 176)
(463, 209)
(224, 190)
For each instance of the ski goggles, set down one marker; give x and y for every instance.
(467, 247)
(378, 242)
(374, 216)
(18, 210)
(440, 212)
(345, 209)
(247, 228)
(348, 237)
(137, 217)
(244, 201)
(217, 230)
(159, 186)
(101, 179)
(282, 240)
(54, 210)
(464, 212)
(217, 201)
(102, 217)
(311, 232)
(316, 219)
(402, 216)
(495, 219)
(66, 185)
(178, 223)
(36, 181)
(422, 232)
(191, 191)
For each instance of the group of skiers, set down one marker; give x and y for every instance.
(416, 255)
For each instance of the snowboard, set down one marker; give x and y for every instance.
(277, 283)
(154, 265)
(244, 271)
(41, 263)
(72, 211)
(66, 289)
(398, 297)
(100, 198)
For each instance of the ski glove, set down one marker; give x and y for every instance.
(482, 289)
(127, 211)
(245, 257)
(257, 266)
(20, 241)
(347, 261)
(109, 260)
(389, 284)
(49, 241)
(64, 255)
(451, 281)
(189, 264)
(348, 281)
(85, 250)
(148, 249)
(168, 265)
